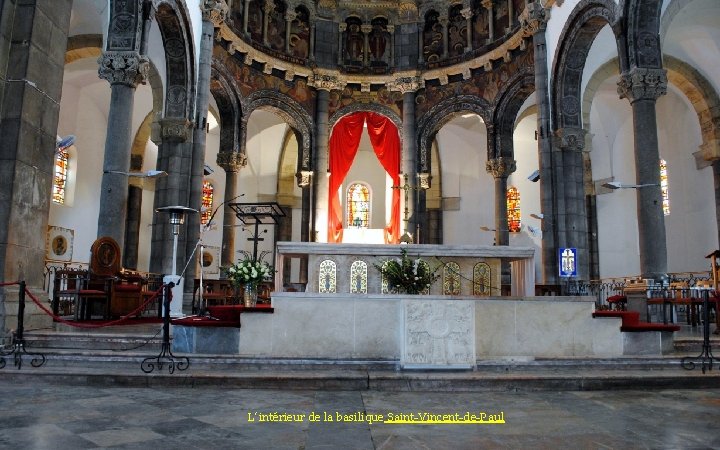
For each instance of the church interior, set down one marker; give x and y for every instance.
(591, 125)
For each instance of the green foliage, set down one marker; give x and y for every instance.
(406, 275)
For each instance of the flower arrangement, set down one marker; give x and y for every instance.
(405, 275)
(248, 271)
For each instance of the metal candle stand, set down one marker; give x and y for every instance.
(166, 355)
(18, 341)
(706, 354)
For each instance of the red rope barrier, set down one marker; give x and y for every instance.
(93, 325)
(10, 283)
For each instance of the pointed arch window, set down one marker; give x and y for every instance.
(664, 187)
(358, 206)
(208, 193)
(513, 209)
(62, 159)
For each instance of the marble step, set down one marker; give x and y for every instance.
(92, 341)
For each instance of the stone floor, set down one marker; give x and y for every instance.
(34, 415)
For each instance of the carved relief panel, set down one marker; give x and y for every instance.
(457, 31)
(276, 27)
(432, 38)
(327, 277)
(354, 43)
(379, 44)
(300, 33)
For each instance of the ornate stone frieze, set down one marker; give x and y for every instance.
(304, 178)
(326, 81)
(501, 167)
(571, 139)
(424, 180)
(642, 84)
(405, 84)
(128, 68)
(231, 161)
(534, 18)
(172, 129)
(215, 11)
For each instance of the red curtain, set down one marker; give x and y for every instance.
(344, 143)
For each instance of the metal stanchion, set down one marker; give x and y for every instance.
(18, 341)
(706, 354)
(166, 356)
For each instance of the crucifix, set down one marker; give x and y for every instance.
(406, 237)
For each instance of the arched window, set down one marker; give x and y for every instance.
(664, 187)
(358, 206)
(62, 159)
(513, 209)
(208, 191)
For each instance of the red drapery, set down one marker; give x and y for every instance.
(344, 143)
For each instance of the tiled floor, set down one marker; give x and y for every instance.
(38, 416)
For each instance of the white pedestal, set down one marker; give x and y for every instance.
(177, 295)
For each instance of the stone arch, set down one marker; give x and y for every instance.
(674, 7)
(642, 24)
(581, 28)
(83, 46)
(690, 82)
(441, 114)
(294, 115)
(176, 31)
(374, 107)
(226, 95)
(519, 88)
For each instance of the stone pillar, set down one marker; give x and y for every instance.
(642, 87)
(132, 230)
(231, 162)
(246, 11)
(500, 168)
(391, 30)
(341, 49)
(444, 21)
(572, 141)
(304, 181)
(534, 21)
(311, 53)
(267, 10)
(467, 14)
(124, 71)
(214, 13)
(289, 17)
(321, 196)
(29, 108)
(408, 159)
(511, 14)
(716, 179)
(488, 4)
(366, 30)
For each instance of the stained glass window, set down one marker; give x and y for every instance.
(358, 206)
(664, 187)
(208, 191)
(513, 209)
(60, 181)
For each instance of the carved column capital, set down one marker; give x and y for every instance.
(501, 167)
(231, 161)
(342, 27)
(215, 11)
(642, 84)
(366, 28)
(390, 28)
(424, 180)
(571, 139)
(128, 68)
(290, 16)
(405, 84)
(443, 20)
(466, 13)
(269, 6)
(304, 178)
(534, 18)
(171, 129)
(326, 81)
(488, 4)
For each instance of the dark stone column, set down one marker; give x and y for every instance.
(572, 142)
(231, 162)
(409, 167)
(642, 87)
(500, 168)
(534, 21)
(320, 182)
(124, 71)
(214, 13)
(132, 230)
(31, 67)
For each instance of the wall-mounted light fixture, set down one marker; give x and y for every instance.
(618, 185)
(148, 174)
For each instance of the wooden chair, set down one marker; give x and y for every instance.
(125, 287)
(76, 290)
